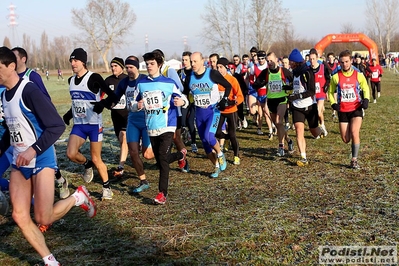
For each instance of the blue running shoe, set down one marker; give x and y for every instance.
(216, 173)
(222, 162)
(186, 167)
(141, 188)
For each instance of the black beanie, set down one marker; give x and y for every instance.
(79, 54)
(118, 61)
(223, 61)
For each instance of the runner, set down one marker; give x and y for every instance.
(189, 112)
(263, 110)
(375, 81)
(203, 85)
(171, 73)
(353, 96)
(302, 103)
(85, 88)
(136, 127)
(275, 79)
(229, 114)
(31, 75)
(159, 97)
(322, 78)
(119, 113)
(35, 125)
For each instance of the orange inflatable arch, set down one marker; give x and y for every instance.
(350, 37)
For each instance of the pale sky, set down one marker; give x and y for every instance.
(166, 22)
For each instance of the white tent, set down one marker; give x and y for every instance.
(142, 66)
(173, 63)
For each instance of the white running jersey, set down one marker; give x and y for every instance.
(299, 88)
(22, 124)
(82, 102)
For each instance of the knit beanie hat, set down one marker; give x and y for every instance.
(118, 61)
(223, 61)
(79, 54)
(295, 56)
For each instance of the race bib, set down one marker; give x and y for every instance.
(79, 108)
(202, 100)
(275, 86)
(152, 100)
(374, 75)
(317, 85)
(16, 137)
(348, 95)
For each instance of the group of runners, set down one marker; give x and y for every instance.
(150, 112)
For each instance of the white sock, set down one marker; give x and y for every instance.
(220, 154)
(50, 261)
(303, 155)
(79, 198)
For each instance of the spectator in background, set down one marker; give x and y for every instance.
(59, 74)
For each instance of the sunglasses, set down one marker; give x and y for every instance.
(261, 58)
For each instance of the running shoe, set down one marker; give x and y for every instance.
(88, 205)
(280, 152)
(222, 162)
(270, 136)
(354, 165)
(226, 146)
(302, 162)
(375, 101)
(107, 194)
(141, 187)
(88, 175)
(324, 130)
(160, 198)
(237, 160)
(244, 123)
(290, 146)
(43, 228)
(287, 126)
(194, 148)
(186, 167)
(182, 162)
(119, 172)
(216, 173)
(259, 131)
(274, 131)
(62, 187)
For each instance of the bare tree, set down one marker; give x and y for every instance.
(382, 22)
(7, 42)
(104, 24)
(44, 50)
(234, 22)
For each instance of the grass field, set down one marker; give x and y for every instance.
(267, 211)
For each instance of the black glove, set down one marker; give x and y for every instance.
(380, 75)
(287, 88)
(67, 117)
(222, 104)
(365, 104)
(98, 107)
(335, 107)
(231, 102)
